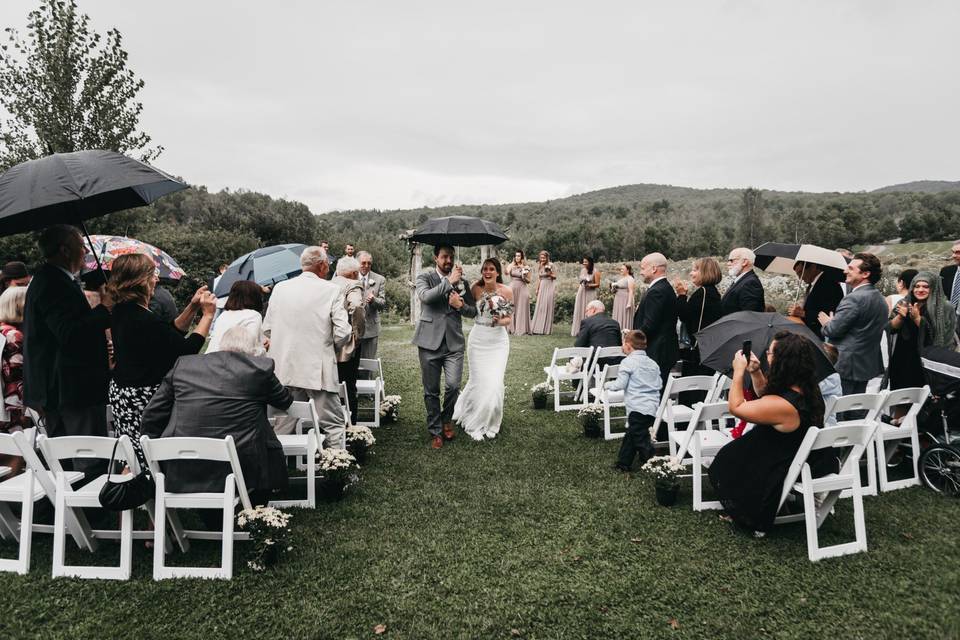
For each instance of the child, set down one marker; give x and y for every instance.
(639, 379)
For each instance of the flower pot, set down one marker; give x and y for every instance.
(388, 418)
(667, 494)
(592, 429)
(331, 490)
(359, 451)
(539, 402)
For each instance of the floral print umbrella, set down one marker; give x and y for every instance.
(111, 247)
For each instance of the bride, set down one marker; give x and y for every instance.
(479, 408)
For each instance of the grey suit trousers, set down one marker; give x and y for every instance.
(329, 412)
(432, 363)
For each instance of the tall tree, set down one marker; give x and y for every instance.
(67, 88)
(752, 218)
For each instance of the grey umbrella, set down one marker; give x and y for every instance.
(459, 231)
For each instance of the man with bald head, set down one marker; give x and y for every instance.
(656, 315)
(746, 292)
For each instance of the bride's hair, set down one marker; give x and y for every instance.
(496, 265)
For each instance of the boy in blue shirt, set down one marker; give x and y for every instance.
(639, 379)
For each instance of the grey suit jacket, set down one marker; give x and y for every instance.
(855, 330)
(375, 283)
(438, 320)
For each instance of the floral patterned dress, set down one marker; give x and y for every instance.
(12, 368)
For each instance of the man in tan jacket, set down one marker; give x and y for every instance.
(306, 322)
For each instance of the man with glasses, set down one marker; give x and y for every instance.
(746, 292)
(950, 278)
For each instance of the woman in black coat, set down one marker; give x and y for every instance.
(701, 310)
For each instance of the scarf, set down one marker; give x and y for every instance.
(939, 312)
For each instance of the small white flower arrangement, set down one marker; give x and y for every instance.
(540, 392)
(269, 530)
(590, 417)
(339, 470)
(390, 408)
(663, 469)
(360, 434)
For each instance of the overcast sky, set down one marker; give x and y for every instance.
(397, 104)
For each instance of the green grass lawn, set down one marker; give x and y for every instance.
(531, 535)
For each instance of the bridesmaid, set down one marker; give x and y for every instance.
(586, 292)
(519, 279)
(546, 296)
(623, 298)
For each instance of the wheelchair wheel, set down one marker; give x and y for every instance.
(940, 469)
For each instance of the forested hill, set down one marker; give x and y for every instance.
(922, 186)
(628, 221)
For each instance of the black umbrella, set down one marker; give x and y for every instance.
(720, 341)
(459, 231)
(265, 266)
(69, 188)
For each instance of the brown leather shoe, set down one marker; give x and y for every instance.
(448, 431)
(436, 442)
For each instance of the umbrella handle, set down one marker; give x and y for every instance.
(93, 250)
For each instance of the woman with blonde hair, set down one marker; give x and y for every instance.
(146, 347)
(701, 310)
(542, 323)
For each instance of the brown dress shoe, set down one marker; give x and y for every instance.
(436, 442)
(448, 431)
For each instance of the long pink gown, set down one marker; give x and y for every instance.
(520, 325)
(584, 297)
(546, 299)
(623, 303)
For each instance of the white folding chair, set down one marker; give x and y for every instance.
(68, 500)
(304, 447)
(890, 433)
(871, 404)
(195, 450)
(702, 439)
(557, 374)
(609, 400)
(720, 390)
(373, 387)
(854, 437)
(345, 405)
(671, 411)
(594, 368)
(35, 483)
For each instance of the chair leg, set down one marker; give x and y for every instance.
(697, 478)
(226, 564)
(26, 526)
(859, 522)
(126, 544)
(159, 530)
(810, 515)
(312, 475)
(59, 527)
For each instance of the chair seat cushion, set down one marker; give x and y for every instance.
(367, 386)
(293, 444)
(12, 490)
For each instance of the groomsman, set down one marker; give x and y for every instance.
(656, 315)
(375, 303)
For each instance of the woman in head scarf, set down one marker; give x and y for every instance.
(923, 318)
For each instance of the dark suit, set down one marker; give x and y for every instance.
(825, 295)
(946, 278)
(65, 369)
(746, 294)
(600, 330)
(656, 316)
(163, 305)
(217, 395)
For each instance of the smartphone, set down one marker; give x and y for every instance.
(747, 344)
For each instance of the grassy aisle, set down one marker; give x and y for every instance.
(531, 535)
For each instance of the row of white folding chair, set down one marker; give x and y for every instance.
(373, 386)
(594, 368)
(303, 446)
(670, 409)
(557, 374)
(701, 440)
(608, 400)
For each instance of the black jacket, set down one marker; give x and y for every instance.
(600, 331)
(65, 347)
(946, 278)
(746, 294)
(213, 396)
(656, 316)
(689, 310)
(824, 296)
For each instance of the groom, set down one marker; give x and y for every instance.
(444, 297)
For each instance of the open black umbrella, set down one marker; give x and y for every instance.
(459, 231)
(265, 266)
(720, 341)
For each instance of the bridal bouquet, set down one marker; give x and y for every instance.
(359, 442)
(499, 306)
(390, 408)
(269, 530)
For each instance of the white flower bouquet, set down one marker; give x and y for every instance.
(663, 469)
(499, 306)
(269, 530)
(390, 408)
(541, 391)
(339, 470)
(359, 441)
(590, 417)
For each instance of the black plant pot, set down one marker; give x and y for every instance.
(592, 429)
(539, 402)
(358, 451)
(667, 494)
(331, 490)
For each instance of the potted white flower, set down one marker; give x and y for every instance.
(664, 471)
(591, 417)
(359, 442)
(269, 530)
(339, 470)
(390, 409)
(540, 393)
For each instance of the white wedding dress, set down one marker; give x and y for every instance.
(479, 409)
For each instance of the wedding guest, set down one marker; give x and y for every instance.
(163, 305)
(331, 260)
(656, 314)
(924, 318)
(748, 473)
(746, 291)
(519, 279)
(542, 323)
(950, 277)
(639, 379)
(701, 310)
(589, 280)
(348, 354)
(823, 293)
(244, 308)
(903, 287)
(146, 347)
(374, 302)
(11, 327)
(623, 297)
(14, 274)
(218, 395)
(599, 330)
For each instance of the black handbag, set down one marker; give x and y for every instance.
(129, 494)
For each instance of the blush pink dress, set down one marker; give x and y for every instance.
(546, 299)
(520, 325)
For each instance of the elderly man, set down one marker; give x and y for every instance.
(950, 278)
(306, 322)
(823, 294)
(599, 330)
(375, 301)
(857, 325)
(656, 314)
(65, 371)
(348, 355)
(746, 292)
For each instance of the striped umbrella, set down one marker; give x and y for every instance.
(109, 248)
(265, 266)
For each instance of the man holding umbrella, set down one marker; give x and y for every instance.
(823, 294)
(65, 348)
